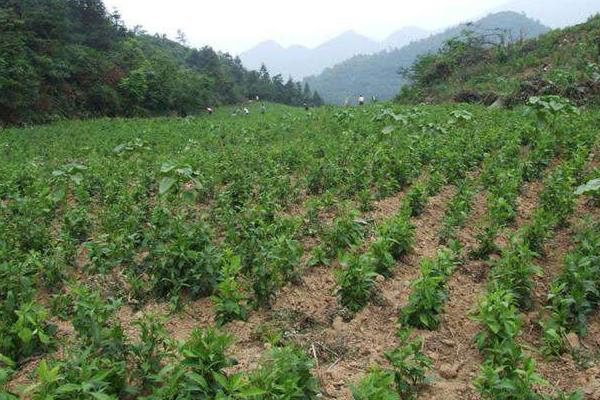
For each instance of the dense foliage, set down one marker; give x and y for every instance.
(75, 59)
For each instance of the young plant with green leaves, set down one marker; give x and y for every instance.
(409, 365)
(515, 271)
(429, 292)
(356, 281)
(229, 302)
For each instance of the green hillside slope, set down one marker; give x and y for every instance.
(562, 62)
(378, 74)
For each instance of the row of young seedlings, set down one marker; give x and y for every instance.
(430, 291)
(103, 363)
(504, 179)
(395, 239)
(575, 294)
(507, 372)
(271, 253)
(408, 366)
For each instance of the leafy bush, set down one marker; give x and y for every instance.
(153, 349)
(94, 321)
(515, 270)
(429, 292)
(575, 294)
(458, 211)
(557, 197)
(539, 230)
(500, 321)
(549, 108)
(487, 242)
(284, 373)
(409, 365)
(381, 257)
(229, 301)
(356, 281)
(30, 334)
(507, 373)
(347, 230)
(376, 385)
(204, 360)
(416, 200)
(400, 235)
(183, 257)
(509, 381)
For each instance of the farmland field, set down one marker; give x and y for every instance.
(384, 252)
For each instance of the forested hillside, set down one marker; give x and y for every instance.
(378, 74)
(73, 58)
(562, 62)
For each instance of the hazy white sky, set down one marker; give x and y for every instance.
(235, 26)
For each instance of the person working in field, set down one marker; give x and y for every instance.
(209, 110)
(361, 100)
(246, 111)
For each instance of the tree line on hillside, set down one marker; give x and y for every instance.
(74, 58)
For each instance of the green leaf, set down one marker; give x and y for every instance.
(252, 392)
(102, 396)
(68, 388)
(166, 184)
(166, 168)
(120, 148)
(388, 129)
(57, 195)
(77, 178)
(189, 197)
(590, 187)
(25, 334)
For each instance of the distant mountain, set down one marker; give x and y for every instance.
(299, 61)
(404, 36)
(378, 74)
(555, 13)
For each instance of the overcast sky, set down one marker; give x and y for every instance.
(235, 26)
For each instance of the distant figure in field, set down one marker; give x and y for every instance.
(361, 100)
(257, 98)
(263, 108)
(209, 110)
(374, 99)
(347, 102)
(306, 107)
(246, 111)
